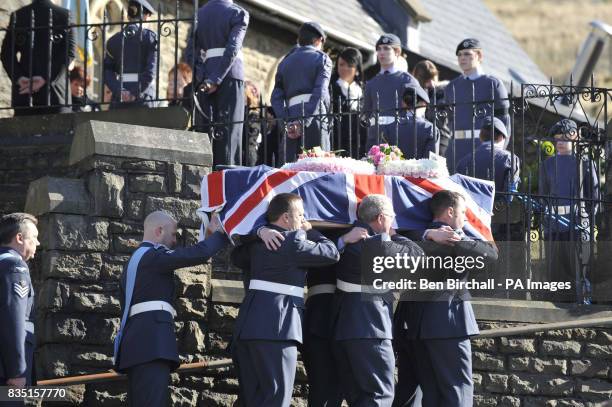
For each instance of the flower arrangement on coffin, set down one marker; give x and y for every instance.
(317, 160)
(389, 161)
(384, 152)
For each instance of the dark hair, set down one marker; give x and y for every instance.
(280, 204)
(308, 36)
(443, 200)
(485, 134)
(424, 71)
(78, 74)
(12, 224)
(353, 57)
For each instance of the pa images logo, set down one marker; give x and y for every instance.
(22, 288)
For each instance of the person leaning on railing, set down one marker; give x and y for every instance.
(38, 80)
(130, 61)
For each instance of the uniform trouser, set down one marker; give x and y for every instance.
(443, 369)
(29, 375)
(323, 386)
(266, 371)
(566, 253)
(366, 368)
(316, 134)
(407, 382)
(227, 106)
(148, 384)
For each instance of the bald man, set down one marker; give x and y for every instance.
(145, 347)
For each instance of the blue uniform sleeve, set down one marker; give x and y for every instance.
(278, 97)
(317, 252)
(148, 74)
(320, 92)
(502, 104)
(433, 142)
(199, 253)
(240, 22)
(13, 305)
(368, 104)
(110, 76)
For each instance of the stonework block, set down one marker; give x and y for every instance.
(148, 183)
(514, 345)
(559, 348)
(74, 233)
(193, 175)
(522, 383)
(590, 368)
(175, 178)
(107, 192)
(60, 195)
(598, 351)
(487, 362)
(495, 383)
(555, 386)
(594, 390)
(73, 266)
(184, 211)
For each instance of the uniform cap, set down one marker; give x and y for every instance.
(468, 43)
(410, 88)
(313, 26)
(566, 127)
(389, 39)
(147, 7)
(497, 123)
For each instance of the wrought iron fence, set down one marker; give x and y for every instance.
(534, 226)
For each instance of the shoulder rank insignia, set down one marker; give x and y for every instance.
(21, 288)
(22, 269)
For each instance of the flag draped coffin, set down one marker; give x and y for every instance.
(241, 196)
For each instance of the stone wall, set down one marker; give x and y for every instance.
(570, 367)
(89, 225)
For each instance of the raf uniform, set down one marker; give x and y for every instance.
(54, 91)
(362, 325)
(462, 120)
(384, 93)
(321, 369)
(222, 26)
(269, 325)
(17, 339)
(147, 349)
(505, 164)
(432, 335)
(416, 134)
(301, 89)
(561, 187)
(130, 62)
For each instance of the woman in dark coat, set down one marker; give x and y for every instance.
(346, 90)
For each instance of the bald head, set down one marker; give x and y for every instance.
(160, 227)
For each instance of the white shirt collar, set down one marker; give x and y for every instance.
(393, 69)
(499, 145)
(475, 75)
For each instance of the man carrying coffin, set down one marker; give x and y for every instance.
(362, 329)
(269, 325)
(145, 347)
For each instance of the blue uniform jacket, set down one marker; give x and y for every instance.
(365, 316)
(506, 166)
(266, 315)
(486, 89)
(386, 92)
(139, 57)
(221, 24)
(305, 70)
(417, 145)
(443, 314)
(150, 335)
(16, 319)
(558, 179)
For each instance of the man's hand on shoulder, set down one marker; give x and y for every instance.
(354, 235)
(444, 235)
(271, 238)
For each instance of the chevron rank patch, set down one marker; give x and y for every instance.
(21, 288)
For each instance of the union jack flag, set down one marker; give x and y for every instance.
(241, 196)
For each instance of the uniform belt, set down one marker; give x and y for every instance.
(562, 210)
(466, 134)
(299, 99)
(218, 52)
(129, 77)
(382, 120)
(357, 288)
(152, 306)
(321, 289)
(277, 288)
(29, 326)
